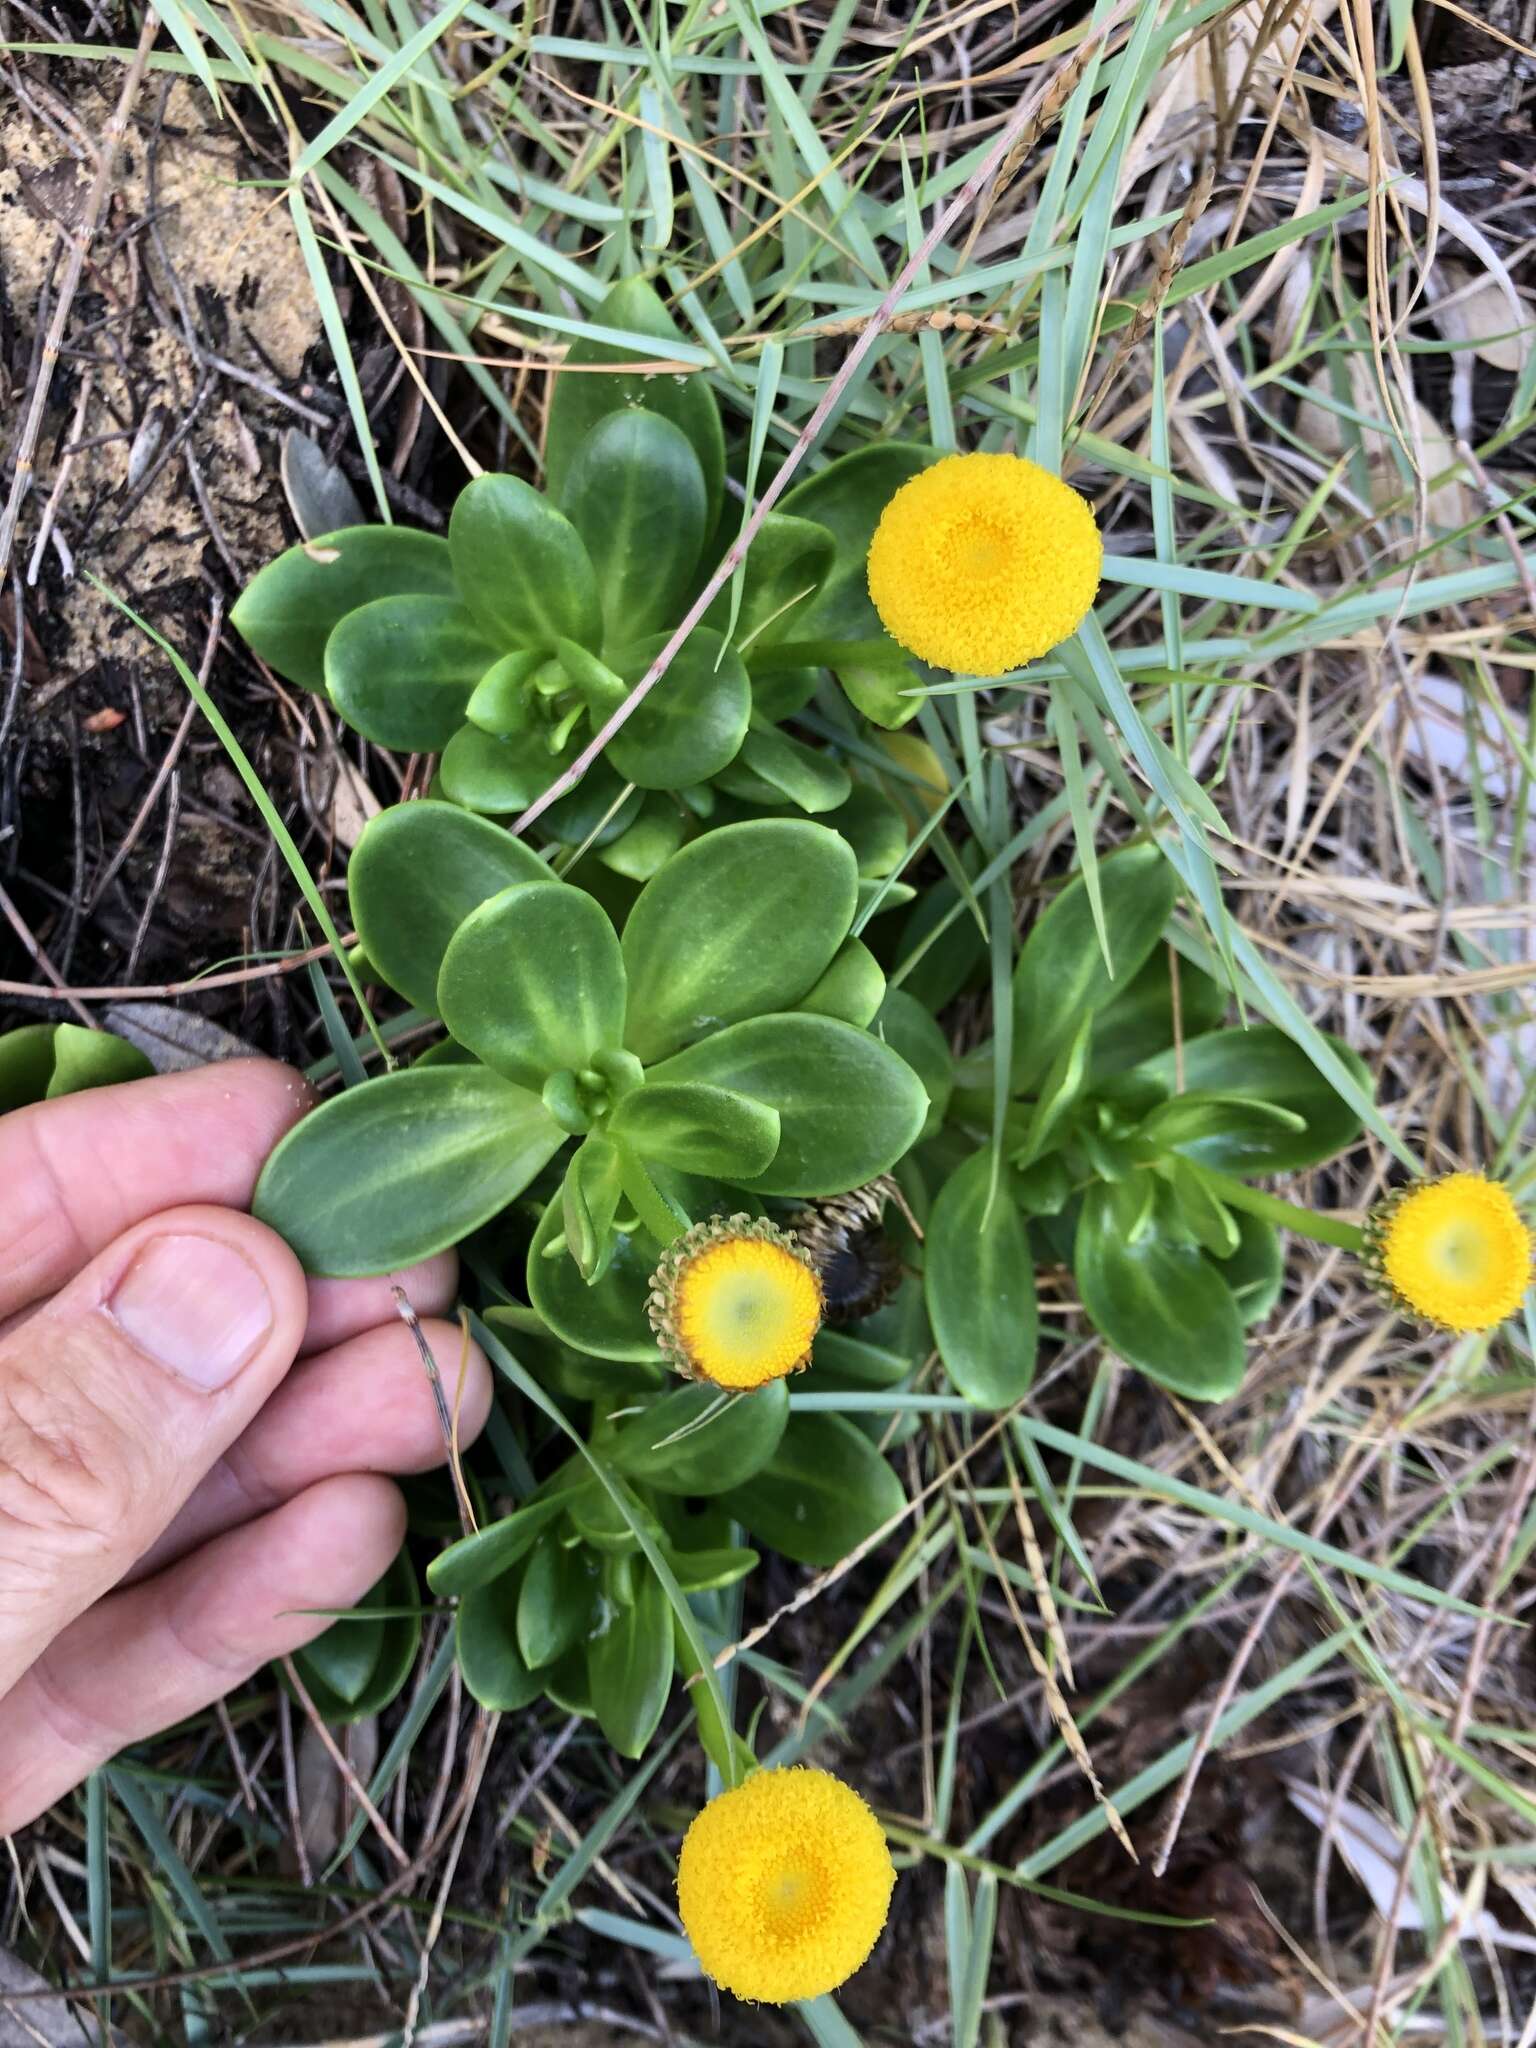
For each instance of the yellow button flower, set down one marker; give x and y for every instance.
(984, 562)
(784, 1884)
(736, 1301)
(1455, 1251)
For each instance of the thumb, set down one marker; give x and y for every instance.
(119, 1395)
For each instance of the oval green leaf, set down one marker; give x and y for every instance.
(521, 568)
(606, 1318)
(558, 1601)
(822, 1493)
(401, 670)
(1061, 976)
(629, 1667)
(852, 988)
(416, 873)
(289, 609)
(745, 919)
(979, 1282)
(713, 1456)
(1163, 1306)
(580, 401)
(698, 1128)
(635, 493)
(533, 982)
(909, 1030)
(692, 723)
(1264, 1065)
(848, 1106)
(495, 1671)
(403, 1166)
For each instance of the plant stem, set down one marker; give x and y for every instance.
(647, 1200)
(1287, 1215)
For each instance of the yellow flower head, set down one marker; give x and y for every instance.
(784, 1885)
(984, 562)
(736, 1301)
(1455, 1251)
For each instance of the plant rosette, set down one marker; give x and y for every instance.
(505, 646)
(559, 1599)
(1134, 1125)
(718, 1049)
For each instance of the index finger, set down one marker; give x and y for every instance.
(78, 1172)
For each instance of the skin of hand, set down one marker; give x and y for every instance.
(192, 1434)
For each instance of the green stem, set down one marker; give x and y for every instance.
(1286, 1215)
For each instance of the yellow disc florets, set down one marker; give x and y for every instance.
(784, 1885)
(1455, 1251)
(736, 1301)
(984, 562)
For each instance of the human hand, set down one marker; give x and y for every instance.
(176, 1492)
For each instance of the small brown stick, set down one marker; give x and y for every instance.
(95, 202)
(162, 991)
(1020, 125)
(333, 1750)
(447, 1419)
(20, 927)
(66, 462)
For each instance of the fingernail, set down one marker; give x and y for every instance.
(194, 1305)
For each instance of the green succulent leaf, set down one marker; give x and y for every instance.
(848, 1107)
(1255, 1272)
(580, 401)
(485, 1638)
(401, 670)
(1265, 1066)
(852, 988)
(746, 918)
(822, 1493)
(883, 686)
(787, 564)
(791, 770)
(908, 1029)
(1061, 976)
(738, 1439)
(606, 1318)
(635, 493)
(533, 982)
(1156, 1300)
(496, 776)
(358, 1666)
(557, 1604)
(979, 1281)
(691, 725)
(491, 1553)
(521, 568)
(629, 1667)
(500, 703)
(288, 610)
(650, 842)
(698, 1128)
(26, 1065)
(848, 497)
(40, 1062)
(589, 1201)
(416, 873)
(841, 1364)
(401, 1167)
(873, 827)
(709, 1571)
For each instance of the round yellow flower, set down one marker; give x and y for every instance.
(784, 1884)
(736, 1301)
(1455, 1251)
(984, 562)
